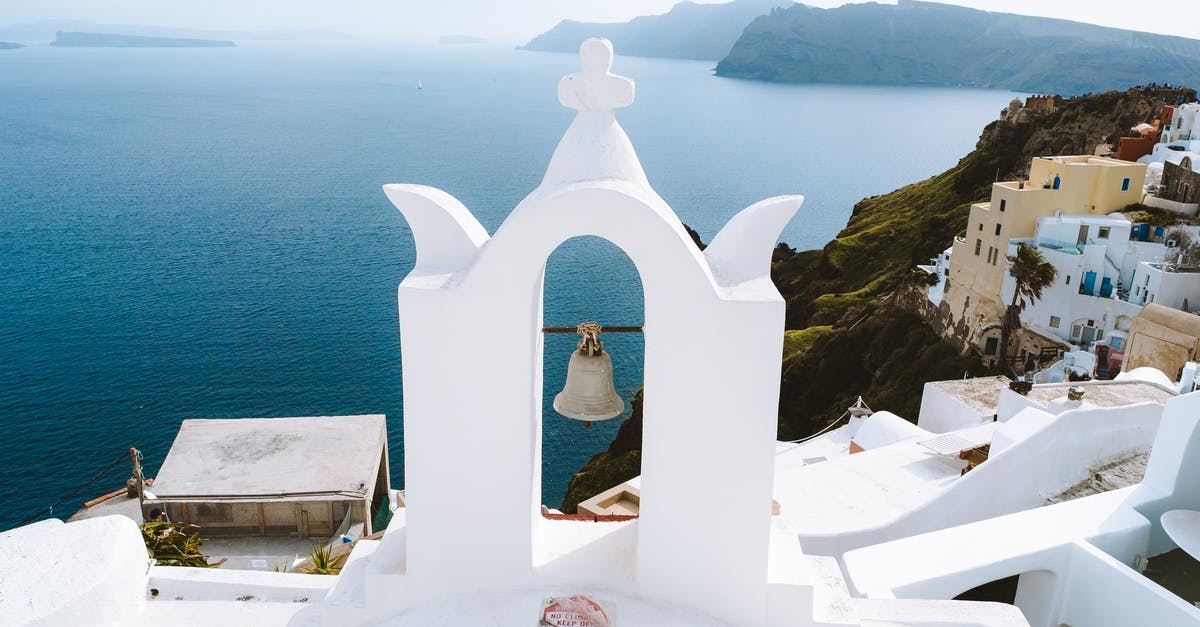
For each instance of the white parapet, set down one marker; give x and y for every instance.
(91, 572)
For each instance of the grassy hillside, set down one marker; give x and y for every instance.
(888, 234)
(939, 44)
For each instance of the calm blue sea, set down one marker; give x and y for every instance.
(201, 233)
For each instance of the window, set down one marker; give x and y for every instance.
(1068, 280)
(1104, 231)
(978, 245)
(1055, 321)
(991, 346)
(980, 226)
(997, 229)
(1125, 184)
(1002, 203)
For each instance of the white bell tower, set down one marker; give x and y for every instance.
(713, 345)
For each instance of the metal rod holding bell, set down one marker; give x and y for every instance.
(589, 394)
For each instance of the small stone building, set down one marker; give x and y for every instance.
(1180, 183)
(305, 477)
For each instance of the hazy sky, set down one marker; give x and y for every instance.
(516, 21)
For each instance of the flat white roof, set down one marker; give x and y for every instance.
(257, 457)
(869, 488)
(980, 394)
(1104, 393)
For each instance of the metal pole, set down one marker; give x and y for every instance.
(137, 473)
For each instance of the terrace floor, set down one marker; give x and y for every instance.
(1178, 572)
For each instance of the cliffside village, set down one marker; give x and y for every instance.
(1120, 231)
(1042, 502)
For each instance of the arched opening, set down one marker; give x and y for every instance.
(588, 278)
(1085, 331)
(1033, 592)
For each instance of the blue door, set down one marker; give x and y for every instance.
(1089, 284)
(1106, 287)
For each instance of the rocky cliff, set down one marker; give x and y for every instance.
(925, 43)
(688, 31)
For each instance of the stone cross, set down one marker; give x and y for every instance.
(594, 87)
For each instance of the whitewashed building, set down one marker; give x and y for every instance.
(1105, 274)
(1173, 170)
(1184, 128)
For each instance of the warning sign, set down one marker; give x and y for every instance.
(576, 611)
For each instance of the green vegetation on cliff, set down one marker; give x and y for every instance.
(888, 234)
(886, 358)
(915, 43)
(688, 31)
(846, 336)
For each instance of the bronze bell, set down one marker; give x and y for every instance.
(589, 393)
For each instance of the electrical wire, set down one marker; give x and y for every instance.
(124, 456)
(827, 428)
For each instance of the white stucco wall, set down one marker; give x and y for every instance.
(90, 572)
(1041, 463)
(1172, 479)
(1168, 289)
(1086, 545)
(941, 412)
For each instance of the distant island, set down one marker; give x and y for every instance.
(46, 30)
(108, 40)
(687, 31)
(925, 43)
(461, 39)
(8, 45)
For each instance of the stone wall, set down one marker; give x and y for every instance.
(1043, 104)
(1180, 183)
(972, 338)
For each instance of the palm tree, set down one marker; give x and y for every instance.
(1033, 274)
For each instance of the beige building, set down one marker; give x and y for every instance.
(1074, 184)
(1163, 338)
